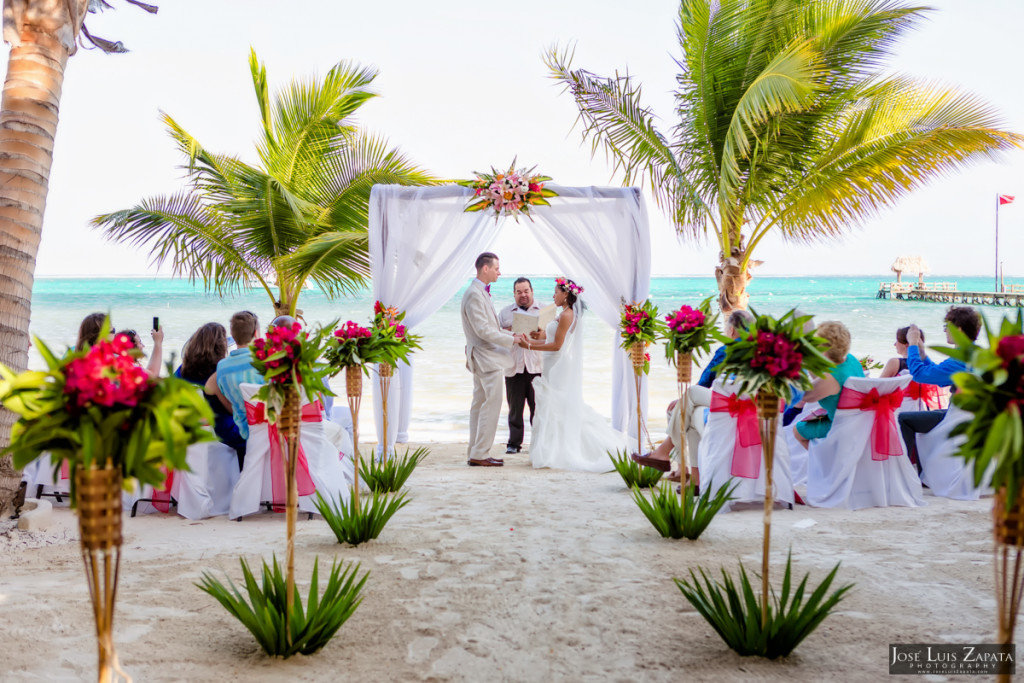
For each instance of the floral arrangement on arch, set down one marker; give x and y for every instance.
(392, 342)
(776, 355)
(97, 407)
(510, 193)
(289, 358)
(994, 393)
(690, 330)
(639, 324)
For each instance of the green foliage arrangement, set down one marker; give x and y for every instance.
(735, 611)
(351, 345)
(776, 355)
(639, 324)
(633, 473)
(354, 524)
(263, 613)
(691, 330)
(390, 475)
(682, 519)
(994, 392)
(97, 406)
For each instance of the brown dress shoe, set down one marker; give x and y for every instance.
(488, 462)
(655, 463)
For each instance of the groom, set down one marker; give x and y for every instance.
(488, 355)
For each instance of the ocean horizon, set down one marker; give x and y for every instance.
(443, 387)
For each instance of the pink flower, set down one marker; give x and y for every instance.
(1010, 348)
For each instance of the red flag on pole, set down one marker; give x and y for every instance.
(1005, 199)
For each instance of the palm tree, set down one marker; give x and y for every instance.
(787, 124)
(300, 215)
(42, 35)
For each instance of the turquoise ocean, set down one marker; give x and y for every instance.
(443, 386)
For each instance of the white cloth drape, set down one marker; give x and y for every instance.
(423, 244)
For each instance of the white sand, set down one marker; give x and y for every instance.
(504, 574)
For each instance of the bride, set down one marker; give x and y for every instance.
(567, 433)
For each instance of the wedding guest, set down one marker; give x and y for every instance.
(89, 330)
(897, 365)
(488, 355)
(199, 358)
(826, 389)
(519, 379)
(237, 369)
(156, 358)
(926, 371)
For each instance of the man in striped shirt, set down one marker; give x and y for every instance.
(237, 369)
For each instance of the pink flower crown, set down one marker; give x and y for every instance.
(568, 285)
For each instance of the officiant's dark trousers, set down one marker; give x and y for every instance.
(519, 391)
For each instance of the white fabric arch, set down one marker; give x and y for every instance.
(423, 245)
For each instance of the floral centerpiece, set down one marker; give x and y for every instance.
(993, 391)
(510, 193)
(392, 342)
(113, 423)
(289, 360)
(688, 332)
(639, 328)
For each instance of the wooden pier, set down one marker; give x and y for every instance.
(947, 293)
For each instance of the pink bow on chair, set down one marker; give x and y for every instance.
(256, 414)
(929, 394)
(885, 438)
(162, 498)
(746, 450)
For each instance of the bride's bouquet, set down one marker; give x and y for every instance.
(510, 193)
(639, 328)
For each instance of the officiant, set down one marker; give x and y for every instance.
(519, 378)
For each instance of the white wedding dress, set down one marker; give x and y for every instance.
(567, 433)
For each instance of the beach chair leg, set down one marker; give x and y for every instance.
(135, 507)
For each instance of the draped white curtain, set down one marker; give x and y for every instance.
(423, 245)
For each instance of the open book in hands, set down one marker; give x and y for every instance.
(525, 323)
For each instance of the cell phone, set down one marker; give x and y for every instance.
(156, 323)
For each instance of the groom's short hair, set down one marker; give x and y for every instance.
(485, 259)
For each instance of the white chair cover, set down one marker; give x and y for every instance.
(797, 453)
(331, 472)
(203, 491)
(42, 472)
(715, 456)
(942, 470)
(840, 468)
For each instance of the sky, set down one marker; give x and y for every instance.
(463, 87)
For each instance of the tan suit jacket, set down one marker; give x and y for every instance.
(488, 347)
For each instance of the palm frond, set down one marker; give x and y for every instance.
(338, 262)
(183, 231)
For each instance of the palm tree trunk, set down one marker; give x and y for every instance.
(732, 281)
(28, 124)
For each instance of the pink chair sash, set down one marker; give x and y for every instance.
(746, 450)
(885, 437)
(162, 498)
(65, 470)
(256, 414)
(930, 395)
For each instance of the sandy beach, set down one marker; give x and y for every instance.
(509, 574)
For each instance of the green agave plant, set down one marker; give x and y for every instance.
(735, 611)
(354, 524)
(633, 473)
(682, 519)
(263, 613)
(390, 476)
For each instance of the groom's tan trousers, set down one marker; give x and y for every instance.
(484, 412)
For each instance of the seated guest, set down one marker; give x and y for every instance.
(897, 365)
(237, 369)
(157, 357)
(926, 371)
(199, 358)
(826, 389)
(89, 330)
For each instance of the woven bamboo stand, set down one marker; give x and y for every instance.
(768, 414)
(636, 353)
(684, 370)
(354, 392)
(385, 371)
(98, 496)
(289, 429)
(1008, 526)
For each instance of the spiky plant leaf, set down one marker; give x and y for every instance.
(390, 475)
(633, 473)
(355, 525)
(686, 518)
